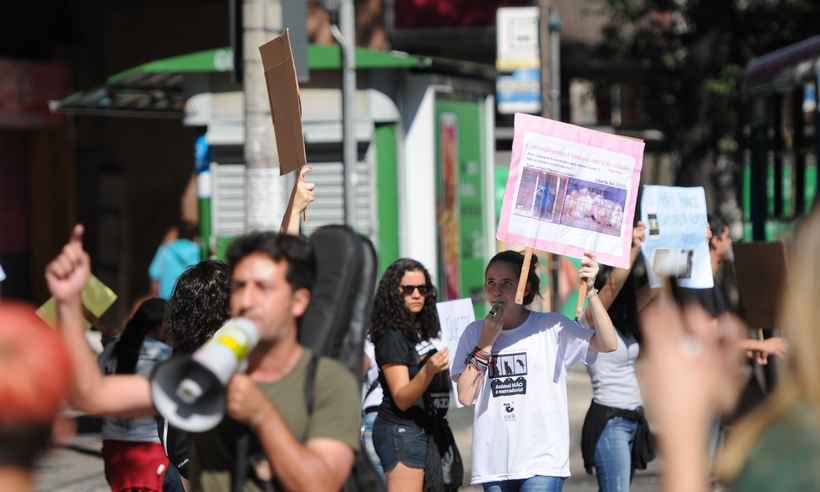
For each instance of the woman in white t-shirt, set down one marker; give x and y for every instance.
(512, 367)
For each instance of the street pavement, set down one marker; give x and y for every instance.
(78, 467)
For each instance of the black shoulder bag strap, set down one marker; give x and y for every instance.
(310, 383)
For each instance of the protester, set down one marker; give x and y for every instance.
(271, 276)
(36, 380)
(199, 305)
(692, 370)
(132, 453)
(615, 439)
(178, 252)
(513, 369)
(372, 396)
(411, 435)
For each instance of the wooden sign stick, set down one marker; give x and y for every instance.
(522, 279)
(582, 294)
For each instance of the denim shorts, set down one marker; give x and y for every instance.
(394, 443)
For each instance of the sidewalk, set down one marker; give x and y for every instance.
(579, 393)
(79, 467)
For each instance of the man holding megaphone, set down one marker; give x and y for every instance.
(300, 445)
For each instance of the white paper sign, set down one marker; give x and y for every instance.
(676, 223)
(454, 316)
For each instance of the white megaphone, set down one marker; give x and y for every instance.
(189, 391)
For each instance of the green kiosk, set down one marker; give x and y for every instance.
(424, 181)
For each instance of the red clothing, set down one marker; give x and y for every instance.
(134, 465)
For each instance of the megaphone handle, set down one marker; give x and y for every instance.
(240, 468)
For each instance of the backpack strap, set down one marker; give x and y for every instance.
(310, 382)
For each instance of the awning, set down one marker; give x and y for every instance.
(781, 70)
(159, 89)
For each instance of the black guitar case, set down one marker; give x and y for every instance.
(338, 316)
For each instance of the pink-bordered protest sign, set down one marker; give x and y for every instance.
(571, 190)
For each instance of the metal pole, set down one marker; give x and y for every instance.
(347, 20)
(555, 63)
(554, 27)
(266, 195)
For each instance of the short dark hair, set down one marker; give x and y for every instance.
(516, 261)
(199, 305)
(187, 230)
(294, 251)
(716, 224)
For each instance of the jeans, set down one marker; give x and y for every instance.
(538, 483)
(367, 442)
(613, 455)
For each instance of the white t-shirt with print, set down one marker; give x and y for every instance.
(520, 419)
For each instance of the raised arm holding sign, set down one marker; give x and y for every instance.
(286, 113)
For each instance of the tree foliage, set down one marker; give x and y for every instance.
(692, 55)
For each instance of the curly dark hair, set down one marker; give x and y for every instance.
(389, 311)
(516, 261)
(295, 251)
(199, 305)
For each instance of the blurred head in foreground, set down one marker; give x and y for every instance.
(36, 377)
(798, 382)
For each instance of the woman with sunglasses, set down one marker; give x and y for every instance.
(411, 434)
(512, 367)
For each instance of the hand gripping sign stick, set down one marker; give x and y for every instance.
(525, 273)
(285, 110)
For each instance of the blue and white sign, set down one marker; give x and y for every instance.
(519, 92)
(675, 244)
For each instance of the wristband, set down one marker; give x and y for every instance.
(592, 292)
(479, 359)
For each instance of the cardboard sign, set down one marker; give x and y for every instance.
(571, 190)
(97, 298)
(285, 108)
(761, 272)
(675, 243)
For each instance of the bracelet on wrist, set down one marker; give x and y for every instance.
(592, 292)
(479, 359)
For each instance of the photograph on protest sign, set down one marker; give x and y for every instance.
(571, 190)
(537, 194)
(593, 206)
(676, 244)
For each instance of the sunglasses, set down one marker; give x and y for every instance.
(407, 290)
